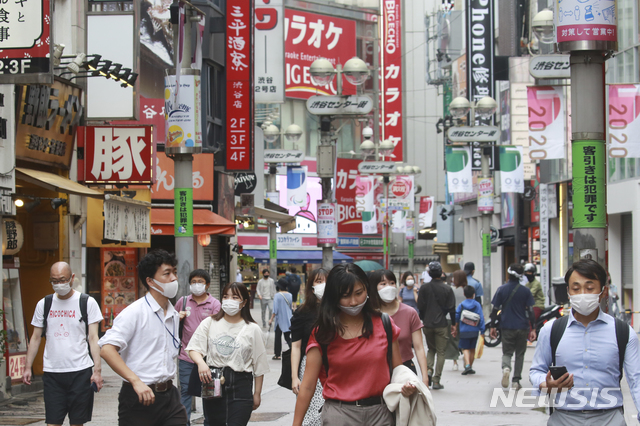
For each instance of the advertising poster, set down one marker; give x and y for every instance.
(459, 177)
(305, 214)
(119, 282)
(508, 209)
(623, 120)
(296, 186)
(485, 195)
(327, 224)
(411, 229)
(578, 20)
(182, 114)
(480, 49)
(511, 169)
(425, 217)
(546, 107)
(349, 218)
(402, 192)
(365, 203)
(589, 196)
(310, 36)
(399, 219)
(391, 72)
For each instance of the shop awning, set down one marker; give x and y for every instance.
(297, 256)
(55, 183)
(417, 259)
(364, 255)
(287, 223)
(205, 222)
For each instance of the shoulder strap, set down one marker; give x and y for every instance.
(557, 330)
(513, 293)
(181, 326)
(386, 322)
(622, 338)
(84, 316)
(47, 307)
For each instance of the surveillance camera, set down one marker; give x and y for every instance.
(367, 132)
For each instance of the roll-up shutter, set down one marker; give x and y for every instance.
(627, 250)
(212, 265)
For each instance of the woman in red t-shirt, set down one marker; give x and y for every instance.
(384, 295)
(351, 331)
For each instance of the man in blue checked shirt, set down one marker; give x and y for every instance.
(589, 393)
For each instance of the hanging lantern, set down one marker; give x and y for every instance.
(204, 240)
(12, 236)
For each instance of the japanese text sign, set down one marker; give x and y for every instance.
(349, 219)
(126, 221)
(12, 236)
(310, 36)
(480, 49)
(327, 224)
(47, 123)
(118, 154)
(623, 121)
(183, 221)
(202, 179)
(544, 239)
(283, 156)
(546, 106)
(25, 37)
(239, 131)
(338, 105)
(577, 20)
(550, 66)
(151, 113)
(391, 64)
(269, 52)
(380, 167)
(589, 196)
(473, 134)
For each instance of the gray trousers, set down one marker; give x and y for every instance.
(437, 344)
(334, 413)
(264, 303)
(514, 341)
(613, 417)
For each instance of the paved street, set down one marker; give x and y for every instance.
(464, 400)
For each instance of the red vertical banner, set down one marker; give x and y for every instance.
(391, 91)
(239, 85)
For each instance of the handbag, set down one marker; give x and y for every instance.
(285, 375)
(469, 318)
(480, 347)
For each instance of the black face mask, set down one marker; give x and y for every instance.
(266, 275)
(530, 277)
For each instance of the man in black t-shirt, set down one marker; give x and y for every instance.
(435, 300)
(294, 284)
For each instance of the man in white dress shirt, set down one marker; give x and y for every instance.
(142, 347)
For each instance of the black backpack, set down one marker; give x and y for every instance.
(622, 338)
(386, 322)
(84, 301)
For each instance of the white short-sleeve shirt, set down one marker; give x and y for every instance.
(66, 347)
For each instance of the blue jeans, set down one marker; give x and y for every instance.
(185, 398)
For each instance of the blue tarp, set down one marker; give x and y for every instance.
(297, 256)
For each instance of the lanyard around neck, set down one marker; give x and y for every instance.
(165, 326)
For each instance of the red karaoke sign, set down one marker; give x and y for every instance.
(118, 154)
(310, 36)
(391, 60)
(239, 94)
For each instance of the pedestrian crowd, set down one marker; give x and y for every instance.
(353, 340)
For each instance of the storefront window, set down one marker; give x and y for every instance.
(14, 323)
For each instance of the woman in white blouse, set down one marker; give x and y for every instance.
(232, 341)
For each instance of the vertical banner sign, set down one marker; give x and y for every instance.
(183, 127)
(595, 20)
(268, 68)
(273, 249)
(365, 203)
(511, 169)
(546, 122)
(327, 224)
(296, 186)
(183, 211)
(485, 194)
(391, 65)
(459, 178)
(589, 202)
(624, 109)
(486, 245)
(25, 37)
(239, 85)
(480, 47)
(399, 222)
(425, 218)
(411, 230)
(310, 36)
(544, 240)
(403, 189)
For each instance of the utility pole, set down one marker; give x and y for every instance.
(325, 169)
(182, 156)
(273, 238)
(486, 238)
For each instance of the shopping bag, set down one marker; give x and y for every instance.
(480, 347)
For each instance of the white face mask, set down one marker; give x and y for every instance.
(353, 310)
(198, 289)
(318, 290)
(168, 289)
(388, 293)
(410, 283)
(585, 304)
(230, 307)
(62, 289)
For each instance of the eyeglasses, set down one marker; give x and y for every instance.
(59, 281)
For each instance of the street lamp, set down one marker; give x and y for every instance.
(543, 27)
(322, 71)
(370, 148)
